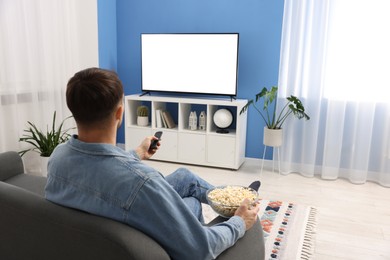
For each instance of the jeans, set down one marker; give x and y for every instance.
(191, 188)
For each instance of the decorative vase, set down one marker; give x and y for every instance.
(44, 161)
(273, 137)
(142, 120)
(202, 120)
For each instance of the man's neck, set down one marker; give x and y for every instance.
(97, 135)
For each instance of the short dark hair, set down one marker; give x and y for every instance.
(93, 94)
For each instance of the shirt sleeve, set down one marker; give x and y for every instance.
(134, 154)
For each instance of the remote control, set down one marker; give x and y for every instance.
(153, 145)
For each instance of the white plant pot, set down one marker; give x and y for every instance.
(142, 120)
(273, 137)
(44, 161)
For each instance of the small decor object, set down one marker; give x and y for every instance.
(163, 121)
(293, 107)
(168, 119)
(223, 119)
(45, 143)
(202, 120)
(159, 120)
(193, 121)
(190, 120)
(142, 116)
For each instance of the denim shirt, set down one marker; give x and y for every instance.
(105, 180)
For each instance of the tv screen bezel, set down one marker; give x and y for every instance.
(148, 90)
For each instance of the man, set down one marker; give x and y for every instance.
(90, 173)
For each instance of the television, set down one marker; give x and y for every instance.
(200, 63)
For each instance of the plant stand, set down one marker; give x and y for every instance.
(273, 160)
(272, 138)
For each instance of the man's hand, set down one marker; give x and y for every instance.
(248, 212)
(143, 150)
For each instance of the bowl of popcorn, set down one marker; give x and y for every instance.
(225, 200)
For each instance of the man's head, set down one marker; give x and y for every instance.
(93, 95)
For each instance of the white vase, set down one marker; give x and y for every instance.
(44, 161)
(273, 137)
(142, 120)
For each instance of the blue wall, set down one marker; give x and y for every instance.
(107, 34)
(259, 23)
(108, 52)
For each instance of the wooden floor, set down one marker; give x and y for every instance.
(353, 221)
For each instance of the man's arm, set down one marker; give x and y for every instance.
(159, 212)
(143, 150)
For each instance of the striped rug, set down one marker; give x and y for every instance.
(289, 229)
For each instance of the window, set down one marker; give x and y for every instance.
(358, 57)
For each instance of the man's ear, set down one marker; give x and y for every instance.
(119, 112)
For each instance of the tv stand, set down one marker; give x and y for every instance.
(233, 98)
(205, 147)
(145, 93)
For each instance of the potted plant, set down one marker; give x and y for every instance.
(273, 135)
(44, 142)
(142, 115)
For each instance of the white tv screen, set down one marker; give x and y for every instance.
(190, 63)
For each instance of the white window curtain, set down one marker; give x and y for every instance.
(335, 56)
(42, 44)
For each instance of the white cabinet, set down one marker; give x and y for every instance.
(180, 144)
(168, 149)
(134, 137)
(192, 147)
(221, 150)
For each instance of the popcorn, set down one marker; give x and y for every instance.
(226, 200)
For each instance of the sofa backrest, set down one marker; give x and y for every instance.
(33, 228)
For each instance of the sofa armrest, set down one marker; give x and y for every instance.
(250, 246)
(11, 164)
(34, 228)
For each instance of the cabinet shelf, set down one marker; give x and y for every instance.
(180, 143)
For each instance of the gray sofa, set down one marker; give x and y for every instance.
(33, 228)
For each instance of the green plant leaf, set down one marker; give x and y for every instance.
(293, 106)
(44, 143)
